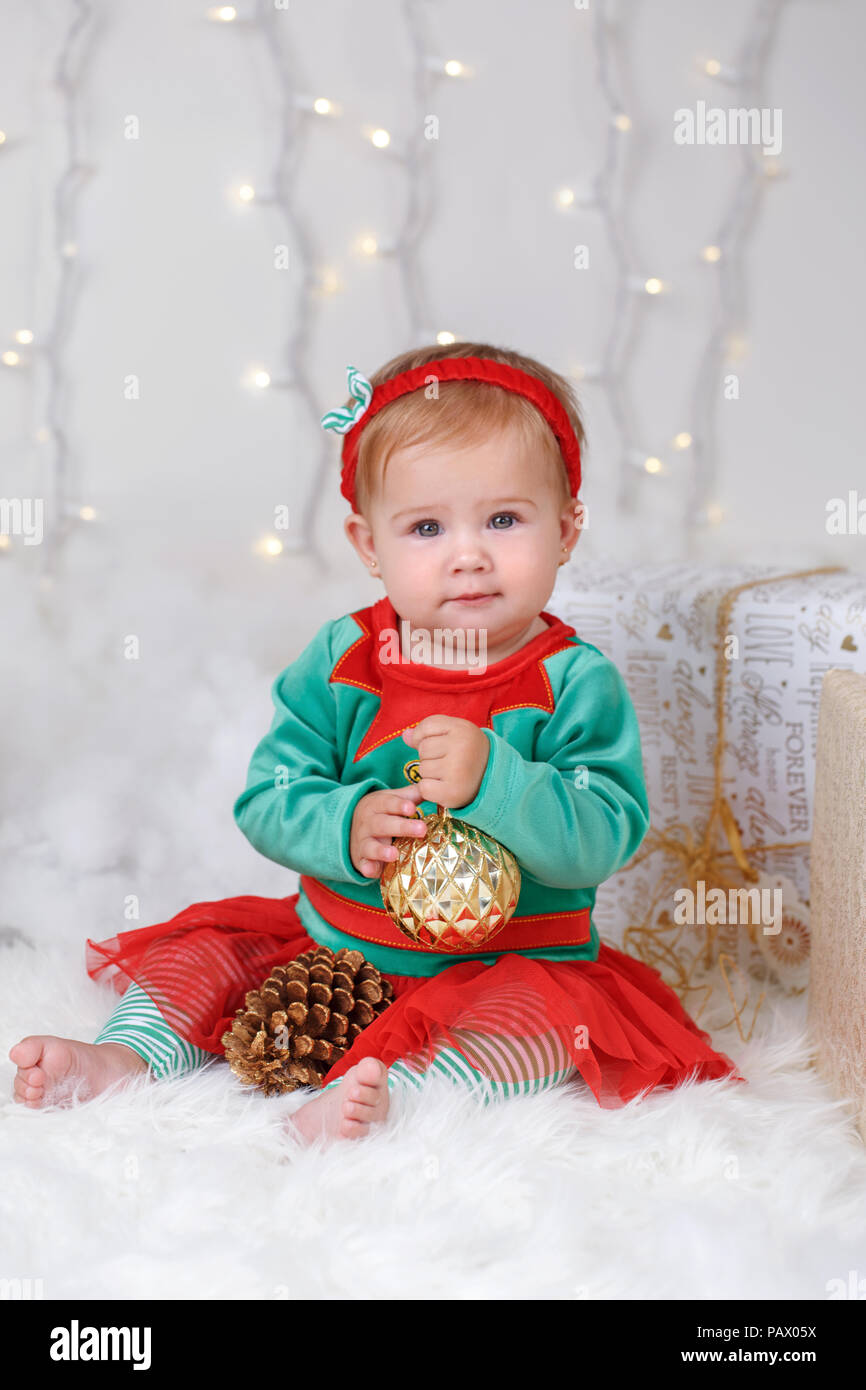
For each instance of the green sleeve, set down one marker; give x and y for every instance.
(295, 810)
(578, 811)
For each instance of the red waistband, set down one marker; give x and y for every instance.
(545, 929)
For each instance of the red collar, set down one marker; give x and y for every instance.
(410, 690)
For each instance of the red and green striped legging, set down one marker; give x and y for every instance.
(540, 1063)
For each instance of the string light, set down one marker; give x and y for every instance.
(727, 252)
(62, 514)
(295, 105)
(610, 192)
(611, 188)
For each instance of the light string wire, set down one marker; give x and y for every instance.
(419, 179)
(619, 162)
(629, 301)
(63, 471)
(731, 239)
(283, 195)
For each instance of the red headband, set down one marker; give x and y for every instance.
(466, 369)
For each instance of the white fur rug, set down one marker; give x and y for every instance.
(190, 1189)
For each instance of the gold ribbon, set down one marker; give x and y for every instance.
(704, 860)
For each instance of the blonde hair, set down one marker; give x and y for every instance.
(465, 413)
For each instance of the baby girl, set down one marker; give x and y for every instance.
(462, 466)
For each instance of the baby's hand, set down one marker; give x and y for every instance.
(452, 754)
(377, 817)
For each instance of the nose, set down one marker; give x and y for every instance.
(469, 551)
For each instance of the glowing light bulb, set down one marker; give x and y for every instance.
(653, 285)
(223, 14)
(261, 379)
(322, 106)
(682, 440)
(565, 197)
(622, 121)
(10, 359)
(712, 67)
(715, 513)
(24, 335)
(712, 253)
(2, 137)
(380, 138)
(736, 347)
(652, 465)
(368, 245)
(329, 281)
(246, 193)
(4, 542)
(270, 545)
(454, 68)
(87, 513)
(444, 337)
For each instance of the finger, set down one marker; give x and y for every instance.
(371, 868)
(403, 802)
(431, 753)
(383, 825)
(432, 788)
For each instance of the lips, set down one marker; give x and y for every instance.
(467, 598)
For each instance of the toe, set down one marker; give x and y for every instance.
(27, 1052)
(366, 1095)
(352, 1129)
(370, 1071)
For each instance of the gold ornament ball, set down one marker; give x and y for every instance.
(455, 889)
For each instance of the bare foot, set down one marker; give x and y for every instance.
(51, 1069)
(347, 1110)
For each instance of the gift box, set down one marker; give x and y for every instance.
(744, 648)
(837, 984)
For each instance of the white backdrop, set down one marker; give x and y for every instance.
(176, 284)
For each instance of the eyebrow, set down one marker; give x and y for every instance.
(437, 506)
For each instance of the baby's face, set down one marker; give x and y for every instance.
(454, 523)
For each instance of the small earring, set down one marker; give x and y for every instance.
(372, 564)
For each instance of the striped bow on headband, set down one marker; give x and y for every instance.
(341, 421)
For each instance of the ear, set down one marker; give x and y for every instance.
(359, 533)
(571, 523)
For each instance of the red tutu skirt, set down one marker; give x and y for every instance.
(614, 1018)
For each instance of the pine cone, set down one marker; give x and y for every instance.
(304, 1019)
